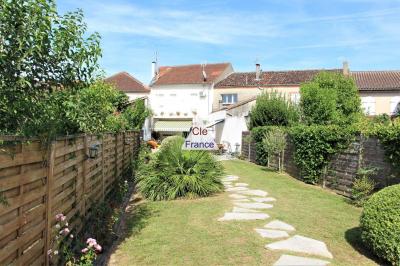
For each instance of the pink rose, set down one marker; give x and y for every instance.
(84, 250)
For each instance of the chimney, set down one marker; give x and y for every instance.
(153, 69)
(203, 66)
(346, 69)
(258, 71)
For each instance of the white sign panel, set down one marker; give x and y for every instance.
(199, 138)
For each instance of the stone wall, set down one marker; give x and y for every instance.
(342, 169)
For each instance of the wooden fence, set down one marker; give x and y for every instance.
(39, 182)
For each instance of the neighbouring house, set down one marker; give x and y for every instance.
(183, 94)
(126, 83)
(379, 91)
(235, 95)
(135, 90)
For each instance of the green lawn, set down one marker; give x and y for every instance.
(186, 232)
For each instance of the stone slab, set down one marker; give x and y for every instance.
(279, 225)
(254, 205)
(286, 260)
(268, 199)
(302, 244)
(238, 209)
(237, 196)
(234, 189)
(230, 178)
(270, 233)
(241, 200)
(254, 192)
(241, 184)
(232, 216)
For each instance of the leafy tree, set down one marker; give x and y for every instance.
(272, 109)
(136, 114)
(330, 98)
(41, 52)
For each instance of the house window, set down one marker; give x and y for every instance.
(229, 98)
(295, 97)
(394, 105)
(368, 104)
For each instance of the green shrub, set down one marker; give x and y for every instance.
(137, 114)
(258, 134)
(380, 224)
(363, 186)
(389, 137)
(315, 145)
(174, 173)
(330, 98)
(272, 109)
(274, 143)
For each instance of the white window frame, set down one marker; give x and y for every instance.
(394, 105)
(369, 105)
(232, 98)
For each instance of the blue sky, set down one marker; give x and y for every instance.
(282, 35)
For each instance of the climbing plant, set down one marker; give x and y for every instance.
(314, 146)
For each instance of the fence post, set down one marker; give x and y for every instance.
(102, 166)
(116, 156)
(50, 179)
(85, 149)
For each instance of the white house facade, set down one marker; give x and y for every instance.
(181, 95)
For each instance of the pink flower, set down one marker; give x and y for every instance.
(91, 242)
(49, 252)
(63, 218)
(66, 231)
(84, 250)
(97, 247)
(59, 216)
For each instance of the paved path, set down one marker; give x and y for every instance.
(250, 204)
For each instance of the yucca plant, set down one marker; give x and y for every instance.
(174, 173)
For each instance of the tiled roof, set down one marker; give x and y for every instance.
(126, 83)
(189, 74)
(270, 78)
(377, 80)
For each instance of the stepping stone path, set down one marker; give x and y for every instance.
(269, 199)
(254, 205)
(229, 216)
(236, 189)
(270, 233)
(249, 204)
(241, 184)
(286, 260)
(276, 224)
(254, 192)
(237, 209)
(302, 244)
(237, 196)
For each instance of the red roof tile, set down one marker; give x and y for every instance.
(124, 82)
(377, 80)
(190, 74)
(270, 78)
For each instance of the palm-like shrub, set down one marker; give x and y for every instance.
(174, 173)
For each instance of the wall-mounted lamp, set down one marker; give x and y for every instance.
(94, 151)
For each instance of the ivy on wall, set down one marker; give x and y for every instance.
(315, 145)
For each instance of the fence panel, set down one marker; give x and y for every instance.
(40, 181)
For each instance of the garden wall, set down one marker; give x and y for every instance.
(342, 169)
(39, 181)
